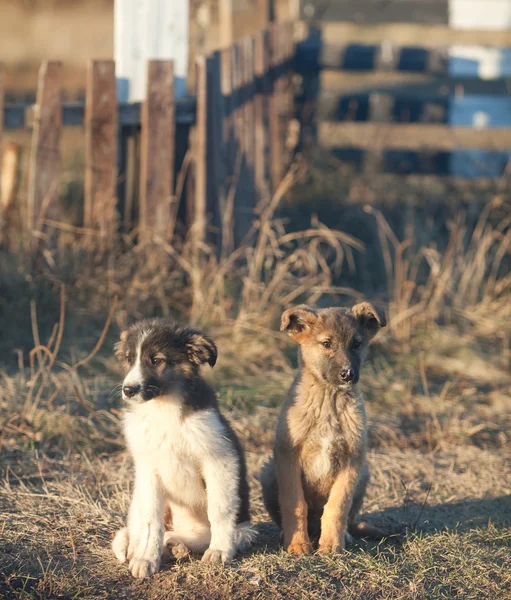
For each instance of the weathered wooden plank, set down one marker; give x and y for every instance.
(1, 112)
(289, 135)
(44, 177)
(413, 137)
(241, 180)
(273, 112)
(249, 84)
(198, 228)
(236, 94)
(73, 114)
(314, 54)
(157, 150)
(216, 146)
(460, 163)
(229, 149)
(260, 116)
(101, 148)
(225, 23)
(246, 199)
(456, 60)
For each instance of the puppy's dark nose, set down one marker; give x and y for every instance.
(130, 390)
(347, 374)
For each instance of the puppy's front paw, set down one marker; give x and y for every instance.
(216, 557)
(300, 547)
(331, 545)
(141, 567)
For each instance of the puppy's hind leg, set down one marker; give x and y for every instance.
(362, 528)
(120, 545)
(269, 484)
(187, 532)
(181, 542)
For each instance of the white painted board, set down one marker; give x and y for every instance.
(144, 30)
(479, 61)
(492, 15)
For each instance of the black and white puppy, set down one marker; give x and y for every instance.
(191, 491)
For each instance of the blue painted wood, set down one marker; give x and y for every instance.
(73, 114)
(458, 61)
(480, 111)
(480, 61)
(479, 163)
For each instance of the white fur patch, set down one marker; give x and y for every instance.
(134, 376)
(189, 465)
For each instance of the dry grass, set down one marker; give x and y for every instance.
(437, 387)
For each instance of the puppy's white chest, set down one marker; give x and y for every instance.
(321, 463)
(156, 436)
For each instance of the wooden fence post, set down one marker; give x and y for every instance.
(101, 117)
(1, 113)
(148, 30)
(157, 147)
(200, 157)
(247, 198)
(216, 144)
(273, 109)
(44, 179)
(225, 23)
(260, 114)
(228, 147)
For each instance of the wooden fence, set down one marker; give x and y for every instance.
(451, 115)
(207, 159)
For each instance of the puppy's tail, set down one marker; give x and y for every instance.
(364, 529)
(245, 535)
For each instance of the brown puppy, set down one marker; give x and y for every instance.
(315, 482)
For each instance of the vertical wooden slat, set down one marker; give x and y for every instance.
(157, 147)
(228, 148)
(249, 109)
(200, 156)
(294, 10)
(44, 179)
(259, 116)
(245, 196)
(225, 23)
(236, 96)
(216, 146)
(3, 201)
(101, 121)
(273, 109)
(239, 180)
(1, 112)
(289, 135)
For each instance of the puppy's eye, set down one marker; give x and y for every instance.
(326, 344)
(129, 358)
(356, 344)
(156, 361)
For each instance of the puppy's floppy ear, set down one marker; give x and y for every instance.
(298, 320)
(120, 346)
(370, 319)
(202, 349)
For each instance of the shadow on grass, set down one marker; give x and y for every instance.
(413, 518)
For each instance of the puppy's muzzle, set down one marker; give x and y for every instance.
(131, 390)
(347, 375)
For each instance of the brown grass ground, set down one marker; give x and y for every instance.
(437, 386)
